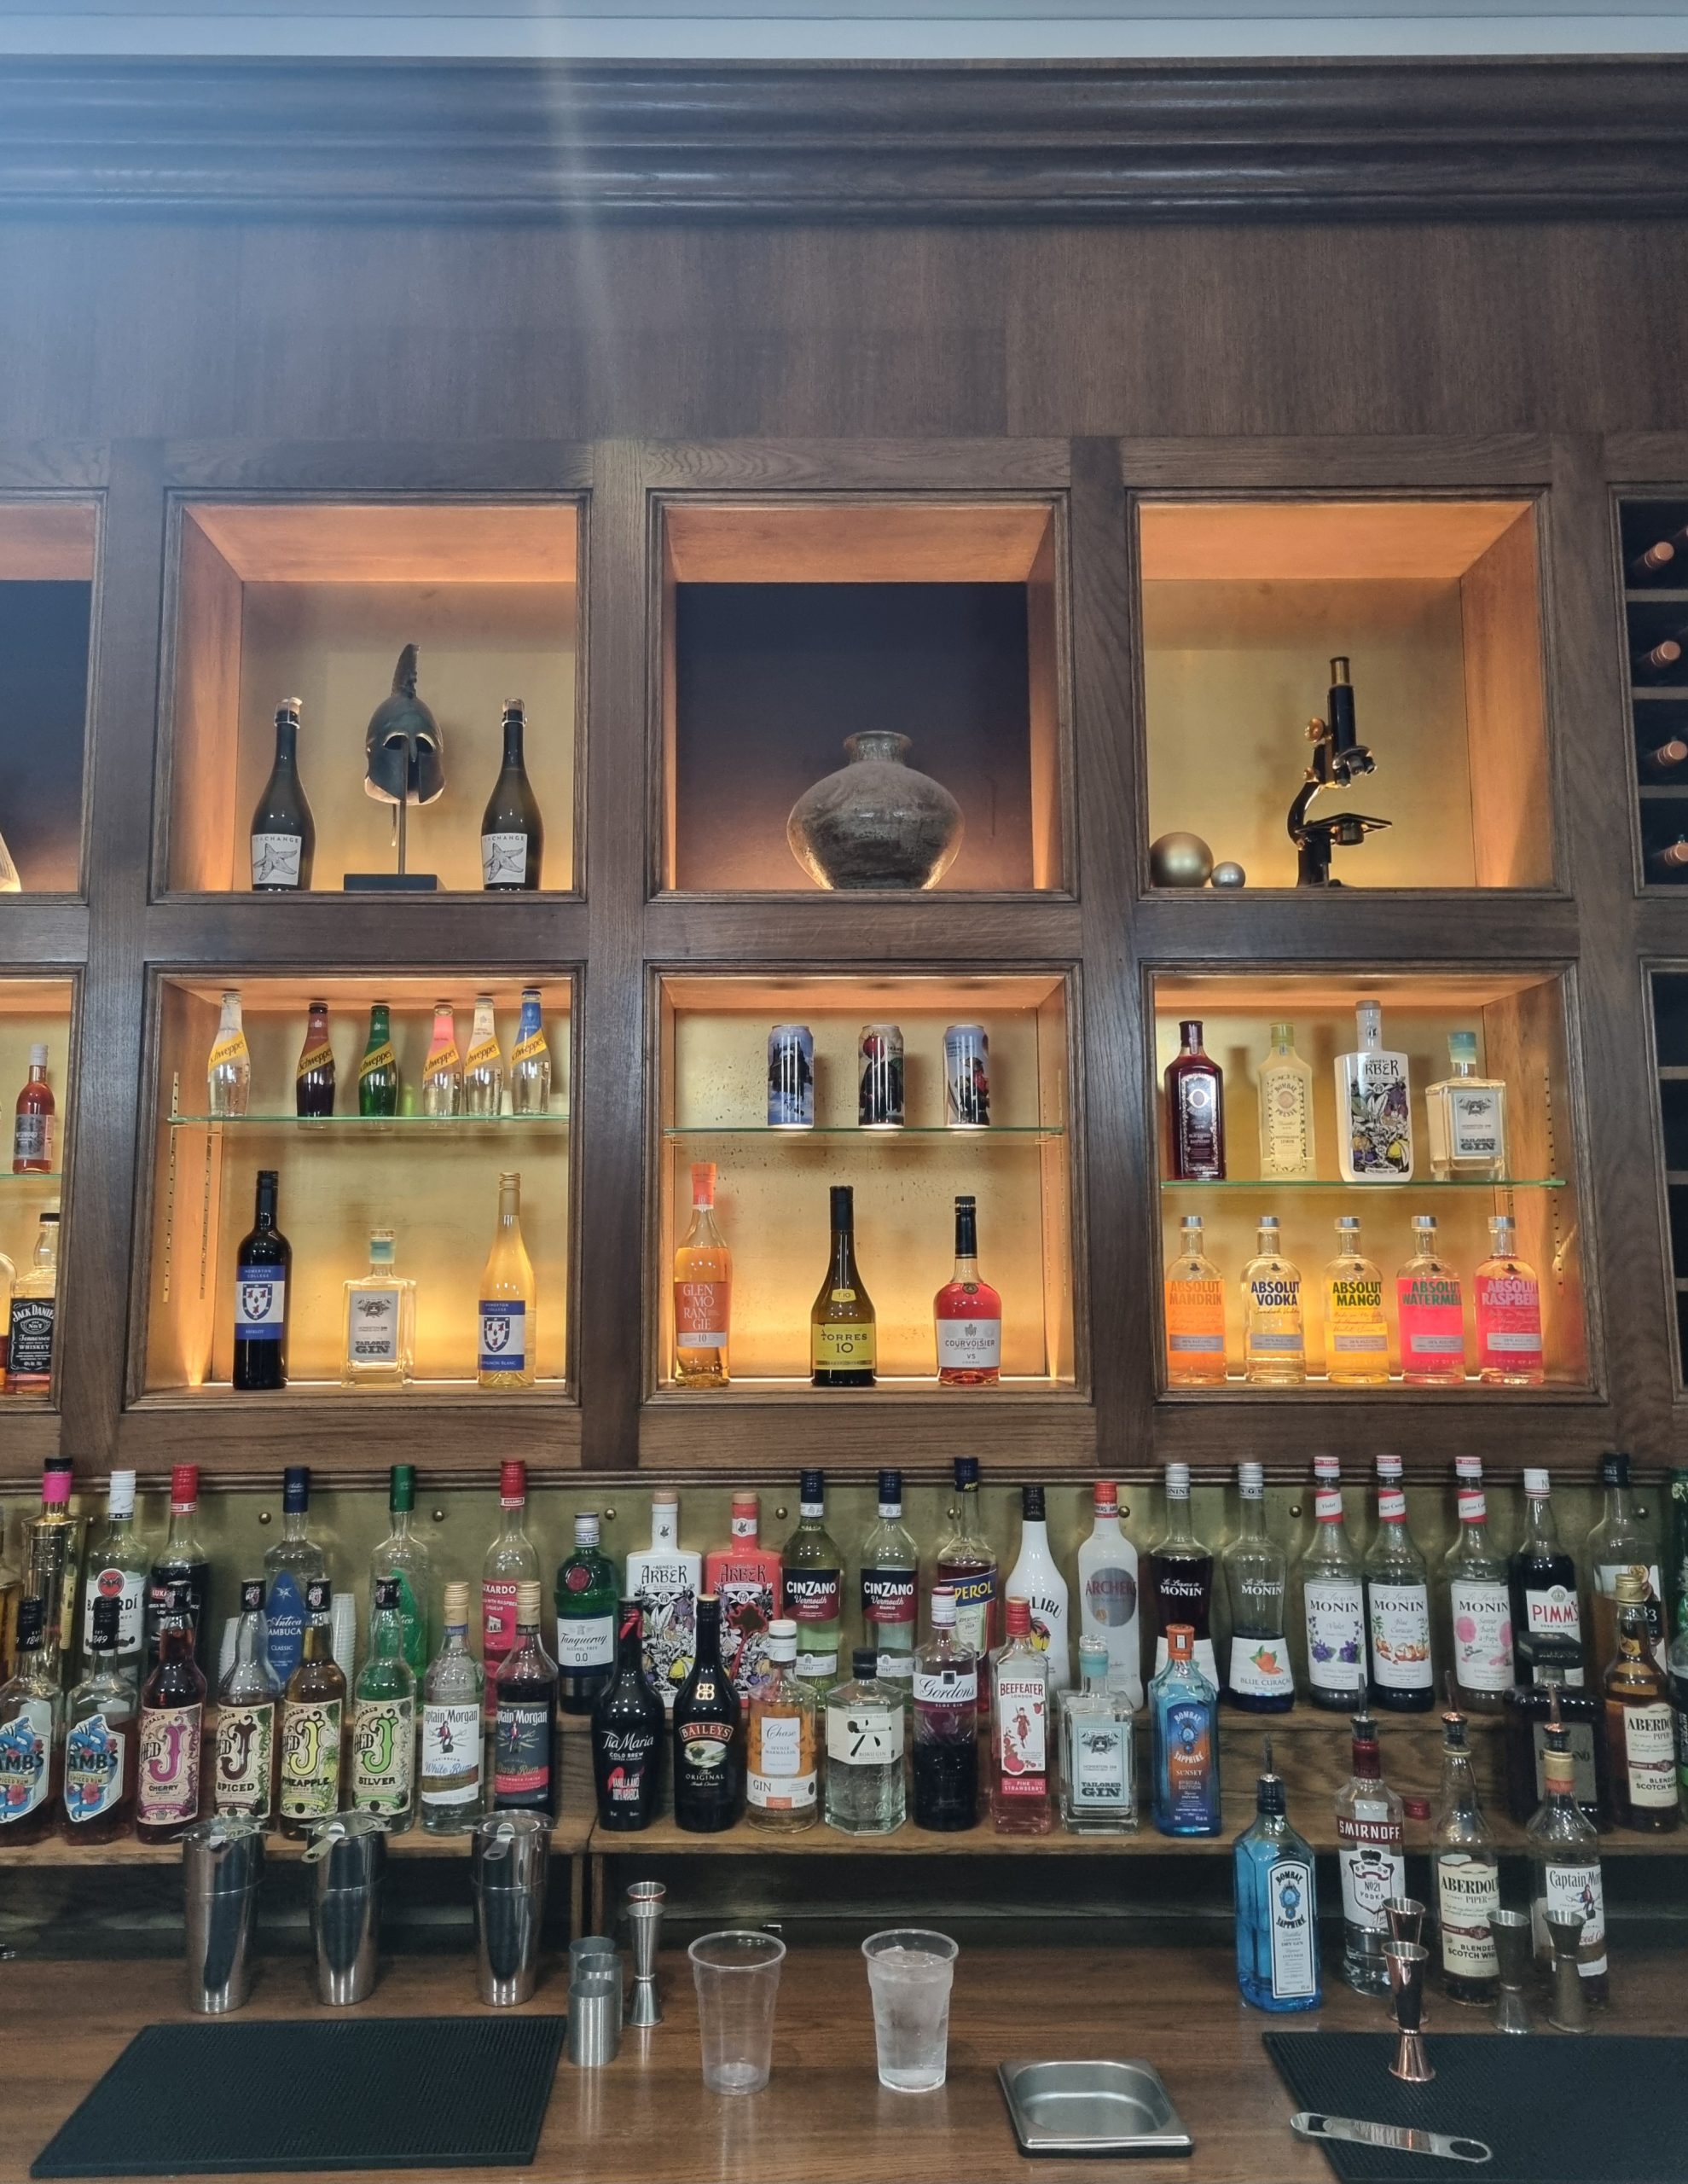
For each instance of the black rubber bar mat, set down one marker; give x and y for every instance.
(1597, 2108)
(383, 2093)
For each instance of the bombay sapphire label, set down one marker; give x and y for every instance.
(1295, 1959)
(1190, 1763)
(503, 1335)
(260, 1303)
(93, 1766)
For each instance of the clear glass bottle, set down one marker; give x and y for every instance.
(484, 1064)
(31, 1710)
(510, 1562)
(1181, 1577)
(782, 1769)
(248, 1749)
(1616, 1542)
(1467, 1116)
(11, 1598)
(505, 1352)
(452, 1789)
(102, 1741)
(1020, 1727)
(170, 1787)
(1183, 1724)
(1274, 1343)
(384, 1718)
(703, 1292)
(51, 1539)
(33, 1120)
(116, 1569)
(891, 1586)
(866, 1721)
(1467, 1873)
(401, 1555)
(443, 1069)
(1257, 1583)
(1285, 1084)
(1431, 1309)
(1099, 1775)
(813, 1584)
(587, 1601)
(1356, 1332)
(1370, 1860)
(966, 1565)
(1108, 1595)
(1194, 1298)
(529, 1060)
(229, 1068)
(313, 1722)
(181, 1560)
(1547, 1613)
(1479, 1604)
(1507, 1297)
(1641, 1755)
(379, 1344)
(1374, 1115)
(1333, 1599)
(947, 1673)
(1564, 1858)
(289, 1564)
(1277, 1906)
(35, 1315)
(1403, 1669)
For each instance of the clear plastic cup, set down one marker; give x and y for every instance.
(909, 1975)
(738, 1977)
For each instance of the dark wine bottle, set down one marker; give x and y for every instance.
(1671, 858)
(314, 1074)
(1658, 563)
(283, 835)
(627, 1734)
(1666, 758)
(262, 1265)
(1659, 663)
(512, 838)
(709, 1736)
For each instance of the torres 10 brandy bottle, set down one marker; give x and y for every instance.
(283, 835)
(512, 838)
(842, 1347)
(1195, 1111)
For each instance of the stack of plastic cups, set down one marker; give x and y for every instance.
(595, 2002)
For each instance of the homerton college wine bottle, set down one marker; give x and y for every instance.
(283, 835)
(262, 1265)
(512, 838)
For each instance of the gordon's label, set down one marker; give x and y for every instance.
(93, 1751)
(702, 1313)
(260, 1303)
(243, 1770)
(383, 1754)
(375, 1058)
(25, 1753)
(1295, 1953)
(503, 1334)
(835, 1345)
(168, 1786)
(1468, 1889)
(311, 1758)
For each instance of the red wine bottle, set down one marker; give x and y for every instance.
(1659, 562)
(1666, 758)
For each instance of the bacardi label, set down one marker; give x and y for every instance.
(1482, 1633)
(1468, 1889)
(94, 1751)
(1401, 1635)
(451, 1754)
(168, 1788)
(383, 1755)
(244, 1760)
(1369, 1858)
(1336, 1633)
(25, 1750)
(128, 1587)
(1650, 1755)
(864, 1736)
(311, 1759)
(1574, 1892)
(1295, 1956)
(1021, 1735)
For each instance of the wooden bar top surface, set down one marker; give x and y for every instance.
(824, 2118)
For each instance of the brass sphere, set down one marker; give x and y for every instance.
(1229, 873)
(1179, 861)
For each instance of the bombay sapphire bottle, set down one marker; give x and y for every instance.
(1277, 1907)
(1184, 1717)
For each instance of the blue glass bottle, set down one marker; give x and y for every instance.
(1277, 1907)
(1184, 1718)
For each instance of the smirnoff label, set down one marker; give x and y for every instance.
(1369, 1858)
(244, 1762)
(1650, 1755)
(1468, 1889)
(168, 1784)
(1295, 1956)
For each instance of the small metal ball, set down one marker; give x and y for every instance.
(1229, 875)
(782, 1510)
(1179, 861)
(609, 1516)
(439, 1516)
(263, 1516)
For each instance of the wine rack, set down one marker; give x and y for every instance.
(1653, 537)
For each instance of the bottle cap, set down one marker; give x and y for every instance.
(1414, 1805)
(1347, 1224)
(456, 1605)
(1017, 1617)
(401, 1488)
(1631, 1587)
(1252, 1481)
(942, 1615)
(104, 1615)
(586, 1528)
(319, 1598)
(1615, 1468)
(966, 1471)
(1031, 1505)
(864, 1663)
(296, 1488)
(1389, 1467)
(37, 1056)
(812, 1493)
(1180, 1641)
(890, 1493)
(527, 1602)
(1283, 1035)
(1106, 1499)
(664, 1497)
(184, 1487)
(1178, 1482)
(252, 1596)
(782, 1640)
(1092, 1655)
(55, 1487)
(120, 1501)
(1190, 1030)
(386, 1593)
(1536, 1485)
(1327, 1470)
(381, 1251)
(1462, 1045)
(1267, 1220)
(512, 1483)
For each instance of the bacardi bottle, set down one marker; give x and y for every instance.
(117, 1568)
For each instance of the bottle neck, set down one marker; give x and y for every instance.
(400, 1518)
(664, 1525)
(709, 1641)
(1617, 1512)
(293, 1522)
(386, 1639)
(286, 744)
(246, 1639)
(512, 739)
(1179, 1532)
(968, 1526)
(180, 1532)
(1540, 1528)
(844, 1255)
(1252, 1518)
(966, 1240)
(509, 1206)
(510, 1522)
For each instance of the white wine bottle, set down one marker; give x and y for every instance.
(505, 1351)
(512, 838)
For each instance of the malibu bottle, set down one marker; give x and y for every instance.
(627, 1735)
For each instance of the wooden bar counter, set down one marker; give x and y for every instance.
(824, 2119)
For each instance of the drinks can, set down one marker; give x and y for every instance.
(966, 1076)
(791, 1077)
(879, 1104)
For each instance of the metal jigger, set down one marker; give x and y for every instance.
(1567, 2010)
(1406, 1917)
(644, 1922)
(1511, 1930)
(1406, 1961)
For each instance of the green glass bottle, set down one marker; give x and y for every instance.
(588, 1595)
(384, 1720)
(403, 1556)
(378, 1071)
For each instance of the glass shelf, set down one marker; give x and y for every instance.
(463, 1125)
(31, 1176)
(1036, 1133)
(1275, 1184)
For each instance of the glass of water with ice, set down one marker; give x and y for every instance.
(910, 1973)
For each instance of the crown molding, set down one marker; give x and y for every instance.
(1537, 139)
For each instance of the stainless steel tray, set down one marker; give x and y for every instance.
(1103, 2108)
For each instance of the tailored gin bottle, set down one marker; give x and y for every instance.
(1277, 1906)
(1467, 1116)
(379, 1341)
(1099, 1784)
(1274, 1350)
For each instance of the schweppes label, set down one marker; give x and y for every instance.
(233, 1049)
(321, 1057)
(380, 1057)
(532, 1043)
(484, 1053)
(440, 1060)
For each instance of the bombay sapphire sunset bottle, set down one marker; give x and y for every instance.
(1184, 1724)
